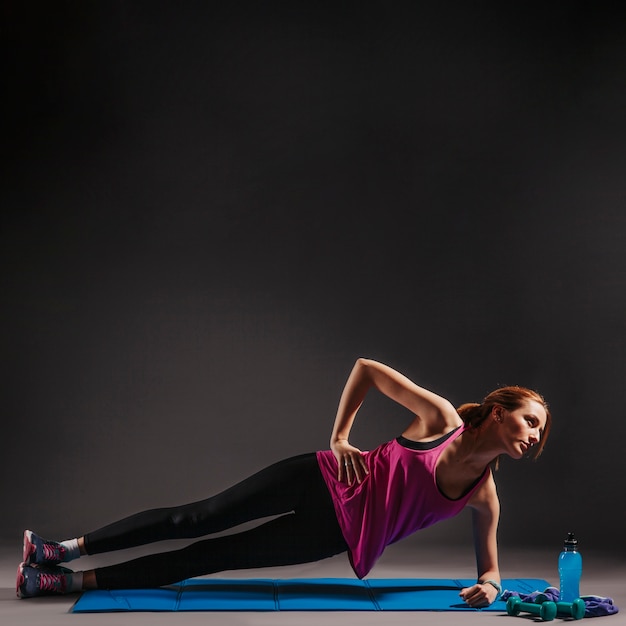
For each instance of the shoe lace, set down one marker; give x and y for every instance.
(51, 582)
(52, 552)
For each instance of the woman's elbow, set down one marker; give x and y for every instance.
(365, 367)
(363, 370)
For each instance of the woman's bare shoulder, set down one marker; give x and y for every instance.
(485, 498)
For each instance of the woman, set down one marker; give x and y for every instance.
(338, 500)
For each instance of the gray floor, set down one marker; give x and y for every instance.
(603, 575)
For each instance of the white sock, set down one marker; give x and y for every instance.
(73, 582)
(72, 551)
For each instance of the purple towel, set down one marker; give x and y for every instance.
(595, 606)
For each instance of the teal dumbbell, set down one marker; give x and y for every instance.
(546, 611)
(574, 609)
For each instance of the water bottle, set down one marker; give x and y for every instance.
(570, 570)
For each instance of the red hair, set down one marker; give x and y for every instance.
(510, 398)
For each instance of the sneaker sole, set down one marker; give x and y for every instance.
(19, 581)
(29, 548)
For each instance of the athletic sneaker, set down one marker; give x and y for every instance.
(33, 581)
(38, 551)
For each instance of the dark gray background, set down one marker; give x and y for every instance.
(209, 210)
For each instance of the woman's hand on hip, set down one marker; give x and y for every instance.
(350, 460)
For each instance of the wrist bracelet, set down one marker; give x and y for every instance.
(493, 583)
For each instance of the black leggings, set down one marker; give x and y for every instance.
(307, 529)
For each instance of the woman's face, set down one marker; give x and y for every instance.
(521, 428)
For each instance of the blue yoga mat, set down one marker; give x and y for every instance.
(302, 594)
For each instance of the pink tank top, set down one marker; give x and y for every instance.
(398, 497)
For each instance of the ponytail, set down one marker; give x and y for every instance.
(472, 414)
